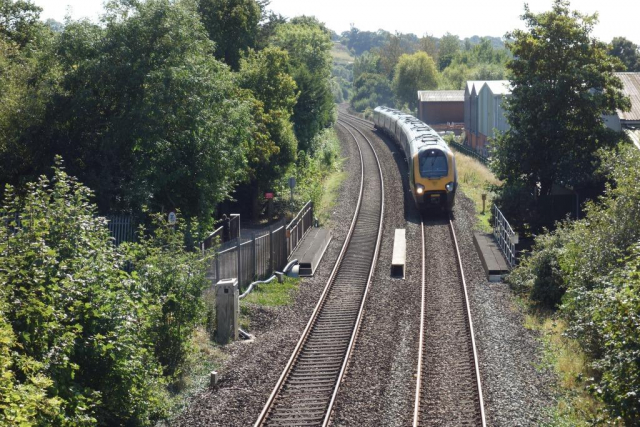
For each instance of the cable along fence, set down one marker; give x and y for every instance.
(256, 258)
(505, 236)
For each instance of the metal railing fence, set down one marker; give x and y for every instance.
(464, 149)
(505, 236)
(258, 257)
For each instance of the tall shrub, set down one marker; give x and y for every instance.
(73, 311)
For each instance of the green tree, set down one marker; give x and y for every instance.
(368, 62)
(390, 54)
(308, 43)
(563, 82)
(19, 21)
(429, 45)
(370, 91)
(232, 25)
(627, 52)
(273, 148)
(448, 47)
(146, 115)
(413, 73)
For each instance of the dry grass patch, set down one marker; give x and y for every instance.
(474, 179)
(575, 405)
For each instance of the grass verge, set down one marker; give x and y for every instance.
(575, 407)
(474, 179)
(273, 294)
(329, 195)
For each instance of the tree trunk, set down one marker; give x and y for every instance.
(255, 205)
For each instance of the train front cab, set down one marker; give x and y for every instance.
(434, 179)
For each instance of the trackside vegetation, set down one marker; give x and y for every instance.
(590, 271)
(92, 334)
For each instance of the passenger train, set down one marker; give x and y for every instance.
(432, 166)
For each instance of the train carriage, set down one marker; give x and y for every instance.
(432, 165)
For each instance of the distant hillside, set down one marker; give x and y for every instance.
(496, 42)
(341, 54)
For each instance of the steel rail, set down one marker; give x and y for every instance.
(371, 272)
(470, 321)
(467, 308)
(287, 372)
(416, 408)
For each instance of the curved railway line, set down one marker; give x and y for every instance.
(306, 390)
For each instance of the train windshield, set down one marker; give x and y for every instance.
(433, 164)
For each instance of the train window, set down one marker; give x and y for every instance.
(433, 164)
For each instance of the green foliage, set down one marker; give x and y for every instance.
(308, 43)
(19, 21)
(540, 274)
(448, 47)
(232, 25)
(480, 62)
(146, 115)
(370, 91)
(562, 83)
(362, 41)
(627, 52)
(79, 331)
(173, 278)
(274, 145)
(367, 63)
(596, 260)
(413, 73)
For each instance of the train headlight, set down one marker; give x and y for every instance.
(419, 188)
(449, 187)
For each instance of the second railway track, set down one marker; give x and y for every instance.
(448, 386)
(307, 388)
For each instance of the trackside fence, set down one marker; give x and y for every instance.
(505, 236)
(464, 149)
(256, 258)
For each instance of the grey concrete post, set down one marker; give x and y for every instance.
(227, 293)
(239, 261)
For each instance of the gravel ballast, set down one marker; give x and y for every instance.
(379, 385)
(253, 368)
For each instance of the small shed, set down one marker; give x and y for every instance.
(441, 106)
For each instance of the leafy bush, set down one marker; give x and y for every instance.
(596, 260)
(173, 277)
(540, 274)
(615, 312)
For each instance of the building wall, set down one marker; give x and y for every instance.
(441, 112)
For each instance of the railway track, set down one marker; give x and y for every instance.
(305, 393)
(448, 384)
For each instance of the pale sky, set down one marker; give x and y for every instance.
(462, 17)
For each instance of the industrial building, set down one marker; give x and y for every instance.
(484, 112)
(628, 121)
(443, 110)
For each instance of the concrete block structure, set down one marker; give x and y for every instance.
(227, 309)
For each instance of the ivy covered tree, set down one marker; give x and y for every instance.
(563, 83)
